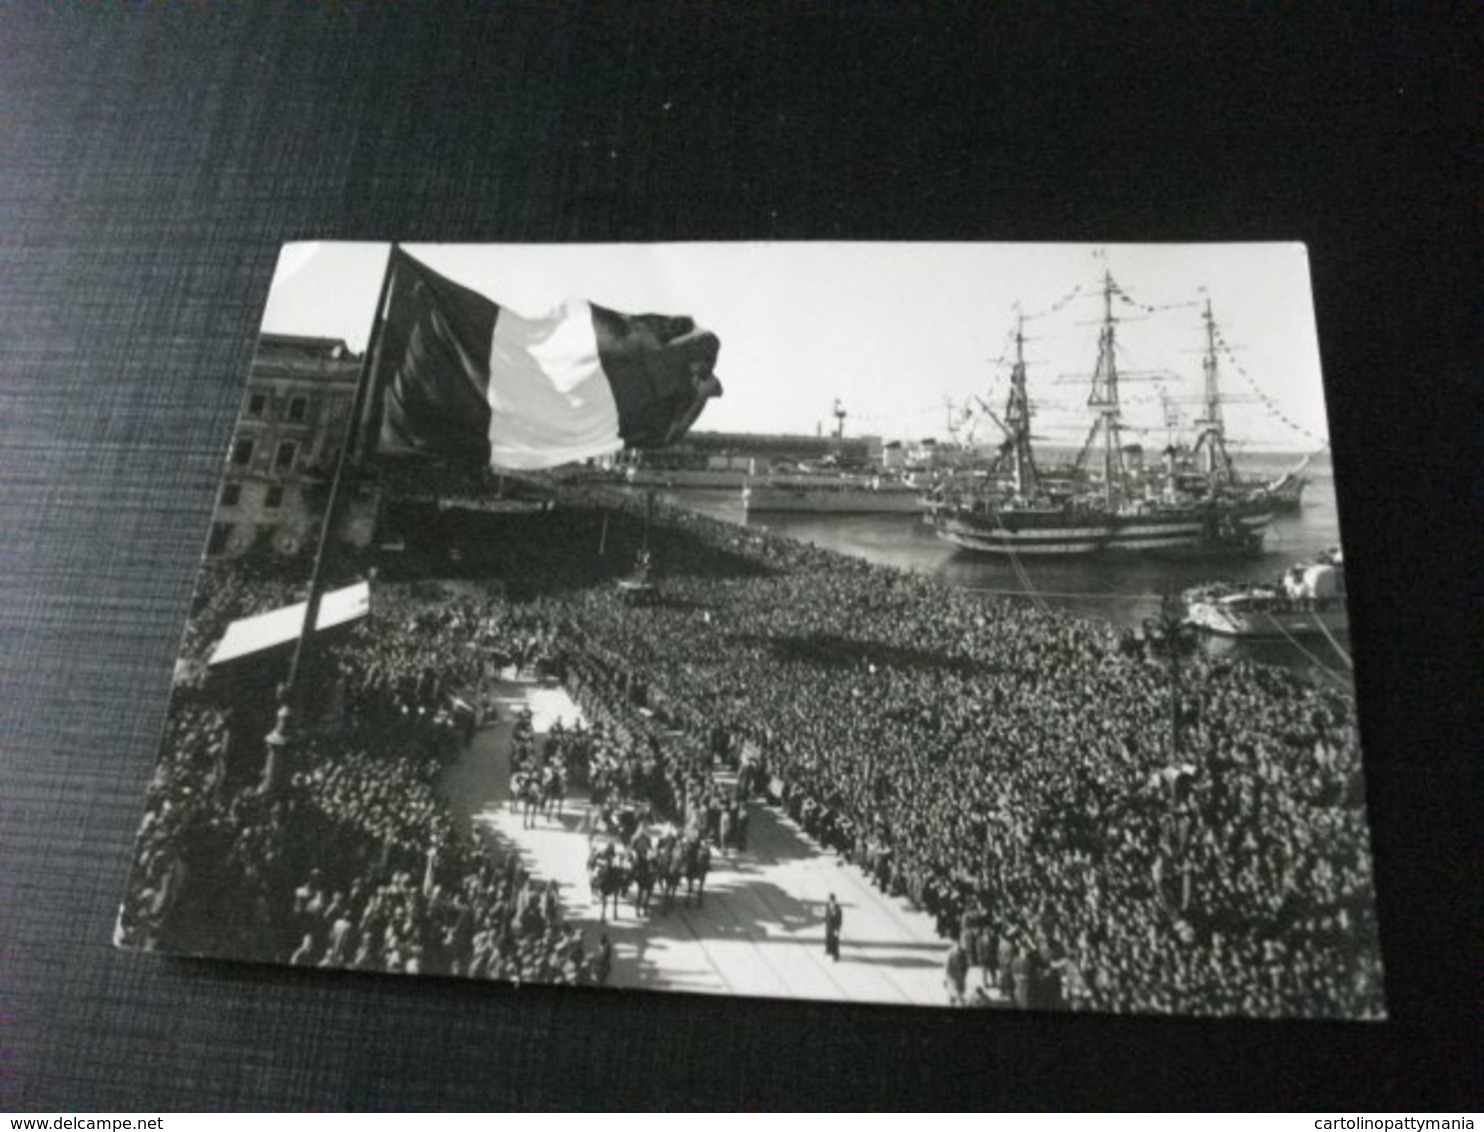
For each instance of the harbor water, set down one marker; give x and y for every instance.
(1123, 589)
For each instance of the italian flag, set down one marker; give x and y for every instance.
(458, 376)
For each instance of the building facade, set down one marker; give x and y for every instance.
(275, 484)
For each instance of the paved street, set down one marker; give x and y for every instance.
(759, 930)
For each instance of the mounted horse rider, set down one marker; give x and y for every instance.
(608, 875)
(553, 789)
(642, 843)
(644, 872)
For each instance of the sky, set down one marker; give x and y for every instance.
(899, 331)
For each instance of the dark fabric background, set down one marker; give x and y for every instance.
(153, 159)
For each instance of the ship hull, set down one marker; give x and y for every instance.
(713, 479)
(1309, 598)
(830, 501)
(1056, 533)
(1258, 624)
(1287, 498)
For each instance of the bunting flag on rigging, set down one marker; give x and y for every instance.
(461, 377)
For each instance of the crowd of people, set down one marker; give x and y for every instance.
(1008, 769)
(352, 857)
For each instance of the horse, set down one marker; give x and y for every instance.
(608, 877)
(697, 857)
(644, 872)
(530, 797)
(669, 861)
(553, 792)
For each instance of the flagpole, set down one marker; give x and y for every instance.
(289, 692)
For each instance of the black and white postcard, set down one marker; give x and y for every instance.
(953, 625)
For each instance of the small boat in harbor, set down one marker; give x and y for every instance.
(1309, 598)
(1286, 493)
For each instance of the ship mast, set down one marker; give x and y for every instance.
(1018, 419)
(1104, 399)
(1210, 443)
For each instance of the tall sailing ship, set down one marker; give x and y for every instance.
(1108, 501)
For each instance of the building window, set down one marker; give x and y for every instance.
(242, 452)
(273, 497)
(221, 533)
(231, 494)
(287, 450)
(298, 409)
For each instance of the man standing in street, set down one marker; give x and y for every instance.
(834, 919)
(604, 963)
(956, 971)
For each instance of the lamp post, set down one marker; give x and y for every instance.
(1172, 639)
(277, 744)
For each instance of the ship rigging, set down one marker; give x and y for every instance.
(1123, 507)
